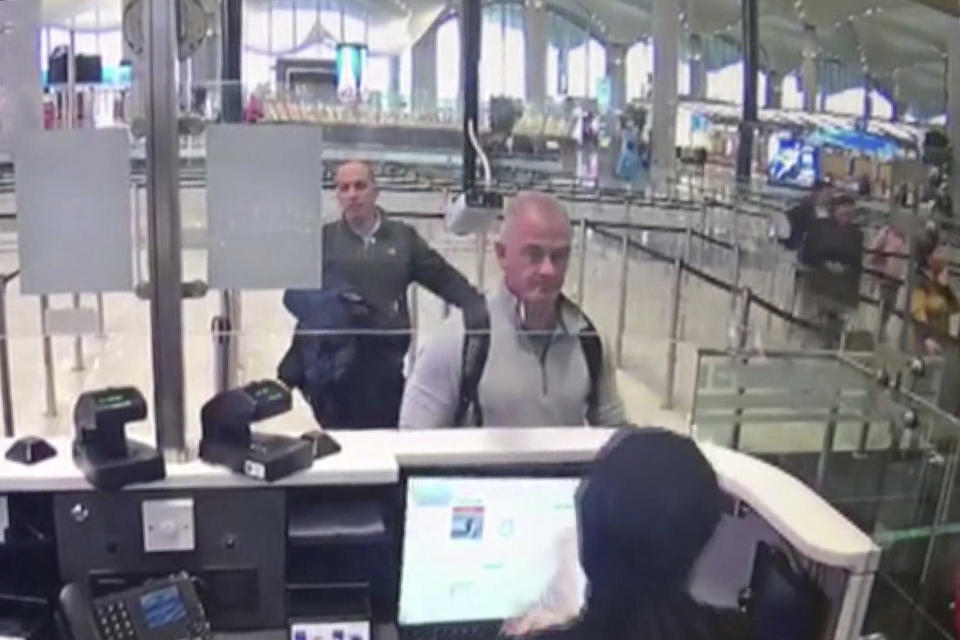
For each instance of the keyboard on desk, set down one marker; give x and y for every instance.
(457, 631)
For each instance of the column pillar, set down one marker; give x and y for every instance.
(808, 68)
(164, 226)
(953, 110)
(393, 85)
(899, 104)
(423, 61)
(231, 39)
(535, 52)
(135, 107)
(867, 97)
(698, 68)
(617, 72)
(774, 94)
(666, 30)
(751, 70)
(21, 99)
(207, 60)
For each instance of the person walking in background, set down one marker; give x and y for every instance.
(348, 360)
(830, 261)
(887, 247)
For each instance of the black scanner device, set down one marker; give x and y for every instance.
(228, 439)
(101, 448)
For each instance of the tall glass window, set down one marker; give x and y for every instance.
(639, 65)
(792, 97)
(726, 84)
(848, 102)
(448, 61)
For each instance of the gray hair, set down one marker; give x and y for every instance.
(527, 201)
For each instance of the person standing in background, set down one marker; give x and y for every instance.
(887, 248)
(934, 303)
(353, 376)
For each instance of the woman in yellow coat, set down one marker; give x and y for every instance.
(932, 305)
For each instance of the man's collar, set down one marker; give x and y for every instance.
(376, 225)
(514, 306)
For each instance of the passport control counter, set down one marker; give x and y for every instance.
(399, 534)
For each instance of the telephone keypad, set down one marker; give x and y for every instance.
(114, 621)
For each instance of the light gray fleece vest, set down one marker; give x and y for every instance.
(533, 380)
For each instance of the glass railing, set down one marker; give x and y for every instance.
(852, 429)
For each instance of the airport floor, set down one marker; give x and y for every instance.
(123, 355)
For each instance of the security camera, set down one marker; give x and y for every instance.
(473, 212)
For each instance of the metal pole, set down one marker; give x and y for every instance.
(71, 101)
(470, 33)
(481, 259)
(101, 322)
(911, 282)
(826, 448)
(6, 395)
(743, 326)
(137, 248)
(622, 308)
(740, 337)
(750, 82)
(163, 224)
(414, 322)
(77, 341)
(701, 258)
(582, 263)
(50, 390)
(231, 19)
(735, 275)
(225, 343)
(674, 328)
(228, 337)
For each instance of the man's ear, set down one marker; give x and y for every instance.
(500, 250)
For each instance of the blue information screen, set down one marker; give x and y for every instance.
(162, 607)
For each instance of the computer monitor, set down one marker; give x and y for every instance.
(479, 549)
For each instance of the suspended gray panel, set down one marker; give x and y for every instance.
(263, 200)
(73, 211)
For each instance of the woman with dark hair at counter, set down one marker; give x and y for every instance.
(647, 510)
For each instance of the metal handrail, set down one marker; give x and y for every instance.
(6, 390)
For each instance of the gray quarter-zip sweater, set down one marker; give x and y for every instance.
(529, 380)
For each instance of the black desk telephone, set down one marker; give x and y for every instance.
(166, 609)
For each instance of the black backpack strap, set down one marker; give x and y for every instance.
(592, 347)
(476, 347)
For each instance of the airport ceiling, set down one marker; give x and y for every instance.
(887, 37)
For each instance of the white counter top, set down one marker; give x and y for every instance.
(352, 466)
(375, 457)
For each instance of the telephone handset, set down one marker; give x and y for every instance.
(166, 609)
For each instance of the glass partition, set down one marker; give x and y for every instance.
(851, 429)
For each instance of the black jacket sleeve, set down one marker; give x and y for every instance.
(436, 274)
(799, 217)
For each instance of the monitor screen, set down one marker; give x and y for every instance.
(792, 161)
(162, 607)
(477, 549)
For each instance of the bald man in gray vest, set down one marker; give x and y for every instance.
(537, 362)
